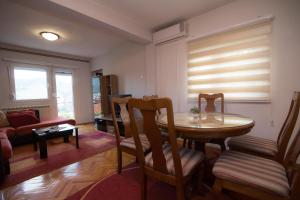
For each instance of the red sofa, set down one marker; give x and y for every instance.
(5, 155)
(20, 129)
(19, 132)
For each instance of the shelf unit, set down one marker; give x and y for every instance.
(109, 87)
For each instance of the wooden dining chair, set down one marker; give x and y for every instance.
(265, 147)
(258, 177)
(210, 100)
(127, 144)
(165, 162)
(150, 97)
(164, 133)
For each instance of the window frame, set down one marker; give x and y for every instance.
(33, 67)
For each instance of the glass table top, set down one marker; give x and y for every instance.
(207, 120)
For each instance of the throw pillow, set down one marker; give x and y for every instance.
(3, 119)
(22, 118)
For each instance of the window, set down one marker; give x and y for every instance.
(30, 83)
(236, 63)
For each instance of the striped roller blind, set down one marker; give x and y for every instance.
(236, 63)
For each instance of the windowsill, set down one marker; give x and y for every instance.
(30, 100)
(25, 107)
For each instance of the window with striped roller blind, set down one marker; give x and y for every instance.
(236, 63)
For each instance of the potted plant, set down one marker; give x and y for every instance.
(195, 112)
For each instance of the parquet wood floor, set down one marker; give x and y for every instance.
(67, 180)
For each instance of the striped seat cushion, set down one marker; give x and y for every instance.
(253, 171)
(189, 159)
(129, 142)
(253, 144)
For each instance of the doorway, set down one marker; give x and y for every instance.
(96, 84)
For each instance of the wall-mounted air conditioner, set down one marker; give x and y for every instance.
(170, 33)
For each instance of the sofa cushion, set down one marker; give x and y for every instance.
(26, 111)
(23, 130)
(6, 149)
(9, 131)
(22, 118)
(3, 119)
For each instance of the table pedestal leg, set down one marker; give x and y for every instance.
(200, 146)
(220, 142)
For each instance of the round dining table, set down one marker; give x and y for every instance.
(204, 127)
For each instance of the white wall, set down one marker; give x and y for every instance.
(171, 59)
(82, 84)
(162, 69)
(128, 63)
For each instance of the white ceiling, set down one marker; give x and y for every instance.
(21, 24)
(156, 13)
(22, 21)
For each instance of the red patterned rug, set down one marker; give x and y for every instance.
(28, 165)
(125, 186)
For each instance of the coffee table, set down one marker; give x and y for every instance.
(41, 136)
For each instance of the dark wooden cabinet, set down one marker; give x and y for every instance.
(109, 88)
(105, 123)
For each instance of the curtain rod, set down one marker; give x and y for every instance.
(43, 54)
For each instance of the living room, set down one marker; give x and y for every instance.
(52, 52)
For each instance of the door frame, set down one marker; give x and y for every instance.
(54, 94)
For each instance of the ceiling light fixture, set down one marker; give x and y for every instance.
(49, 36)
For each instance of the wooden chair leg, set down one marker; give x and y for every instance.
(180, 192)
(190, 143)
(200, 177)
(217, 187)
(119, 161)
(144, 186)
(184, 142)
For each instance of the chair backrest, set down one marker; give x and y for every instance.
(148, 110)
(149, 97)
(288, 126)
(122, 102)
(292, 167)
(210, 101)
